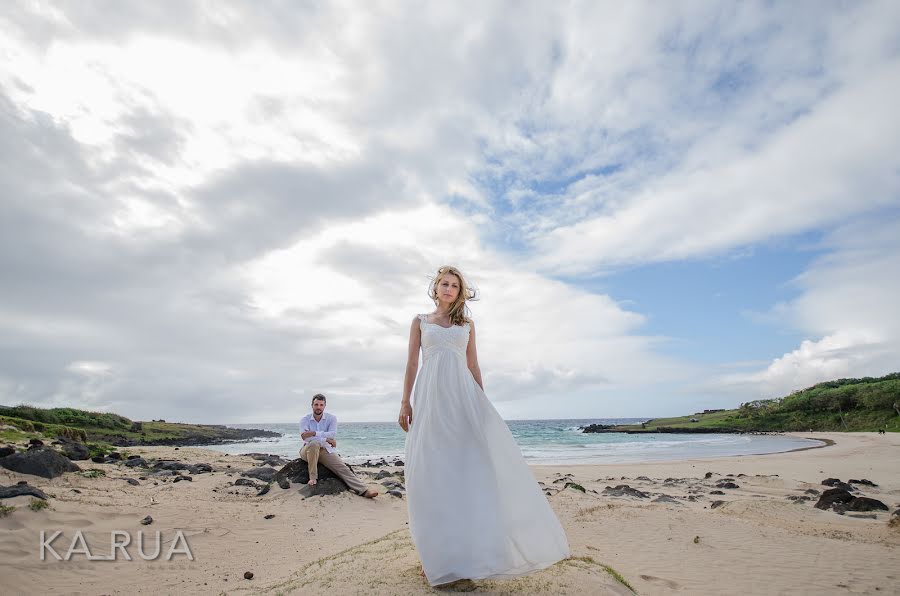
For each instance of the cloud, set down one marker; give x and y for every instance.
(847, 306)
(221, 209)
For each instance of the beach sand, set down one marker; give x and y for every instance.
(756, 542)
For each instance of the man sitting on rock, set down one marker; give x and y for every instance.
(319, 433)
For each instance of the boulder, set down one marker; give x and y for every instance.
(297, 471)
(169, 464)
(835, 483)
(17, 490)
(264, 473)
(864, 482)
(8, 450)
(833, 496)
(137, 461)
(74, 450)
(40, 461)
(623, 490)
(727, 485)
(200, 469)
(863, 504)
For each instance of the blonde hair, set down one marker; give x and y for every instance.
(459, 312)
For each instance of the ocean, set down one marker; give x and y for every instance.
(541, 441)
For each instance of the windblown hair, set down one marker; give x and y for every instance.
(459, 312)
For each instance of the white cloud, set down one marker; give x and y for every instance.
(239, 206)
(847, 305)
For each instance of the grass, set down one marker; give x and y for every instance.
(38, 504)
(612, 572)
(92, 473)
(6, 510)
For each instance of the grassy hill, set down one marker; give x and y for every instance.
(23, 422)
(866, 404)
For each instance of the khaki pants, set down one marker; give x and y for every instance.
(313, 453)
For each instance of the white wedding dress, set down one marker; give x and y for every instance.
(475, 509)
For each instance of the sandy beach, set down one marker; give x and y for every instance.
(673, 536)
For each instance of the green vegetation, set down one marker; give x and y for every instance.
(104, 428)
(92, 473)
(38, 504)
(862, 405)
(6, 510)
(615, 574)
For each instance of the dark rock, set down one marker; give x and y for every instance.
(265, 473)
(727, 485)
(798, 498)
(114, 455)
(811, 491)
(169, 464)
(180, 478)
(395, 493)
(716, 504)
(99, 459)
(864, 504)
(297, 471)
(4, 451)
(834, 482)
(74, 450)
(132, 481)
(623, 490)
(147, 521)
(833, 496)
(864, 482)
(324, 486)
(666, 499)
(17, 490)
(575, 486)
(708, 475)
(644, 478)
(248, 575)
(399, 463)
(264, 490)
(200, 469)
(382, 474)
(269, 516)
(137, 461)
(248, 482)
(283, 482)
(716, 492)
(40, 461)
(134, 457)
(36, 442)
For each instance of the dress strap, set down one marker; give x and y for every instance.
(422, 320)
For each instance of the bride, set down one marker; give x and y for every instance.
(475, 509)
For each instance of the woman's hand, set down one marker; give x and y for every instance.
(406, 416)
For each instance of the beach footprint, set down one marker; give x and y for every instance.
(661, 580)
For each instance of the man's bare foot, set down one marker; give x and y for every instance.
(312, 482)
(370, 494)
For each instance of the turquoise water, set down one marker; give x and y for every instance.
(541, 442)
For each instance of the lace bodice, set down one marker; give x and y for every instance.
(436, 338)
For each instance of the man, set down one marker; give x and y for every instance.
(319, 433)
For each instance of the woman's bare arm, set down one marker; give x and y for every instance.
(412, 367)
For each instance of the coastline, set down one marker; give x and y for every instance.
(759, 540)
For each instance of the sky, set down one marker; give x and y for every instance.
(210, 211)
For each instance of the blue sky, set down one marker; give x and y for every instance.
(209, 213)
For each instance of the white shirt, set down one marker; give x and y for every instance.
(326, 428)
